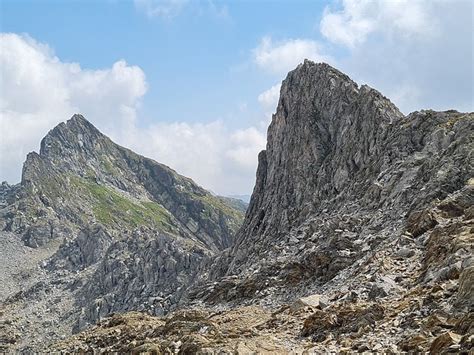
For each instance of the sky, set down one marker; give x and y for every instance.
(193, 84)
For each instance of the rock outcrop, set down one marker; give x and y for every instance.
(343, 171)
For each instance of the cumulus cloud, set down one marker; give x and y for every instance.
(356, 20)
(213, 155)
(268, 101)
(169, 9)
(417, 52)
(245, 146)
(38, 91)
(269, 98)
(283, 56)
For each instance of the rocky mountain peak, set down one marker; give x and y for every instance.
(81, 176)
(329, 95)
(343, 171)
(75, 135)
(107, 211)
(326, 133)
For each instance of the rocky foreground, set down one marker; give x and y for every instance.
(358, 237)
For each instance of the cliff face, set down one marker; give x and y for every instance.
(326, 143)
(343, 157)
(351, 199)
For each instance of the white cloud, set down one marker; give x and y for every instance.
(169, 9)
(38, 91)
(245, 146)
(406, 95)
(220, 159)
(166, 9)
(269, 98)
(269, 101)
(357, 19)
(418, 52)
(280, 57)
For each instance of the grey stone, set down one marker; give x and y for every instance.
(405, 253)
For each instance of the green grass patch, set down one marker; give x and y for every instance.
(115, 209)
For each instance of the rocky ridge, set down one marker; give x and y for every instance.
(409, 295)
(358, 237)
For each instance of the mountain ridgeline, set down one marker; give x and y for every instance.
(80, 176)
(358, 237)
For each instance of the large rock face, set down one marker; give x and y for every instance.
(326, 146)
(343, 169)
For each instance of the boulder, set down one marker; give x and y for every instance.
(314, 301)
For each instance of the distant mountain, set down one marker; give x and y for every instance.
(80, 177)
(245, 198)
(132, 231)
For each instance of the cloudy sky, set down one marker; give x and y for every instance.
(193, 84)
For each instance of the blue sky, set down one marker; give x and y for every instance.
(196, 62)
(193, 84)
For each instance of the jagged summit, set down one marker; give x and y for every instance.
(62, 143)
(79, 119)
(80, 124)
(78, 145)
(322, 67)
(76, 134)
(326, 133)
